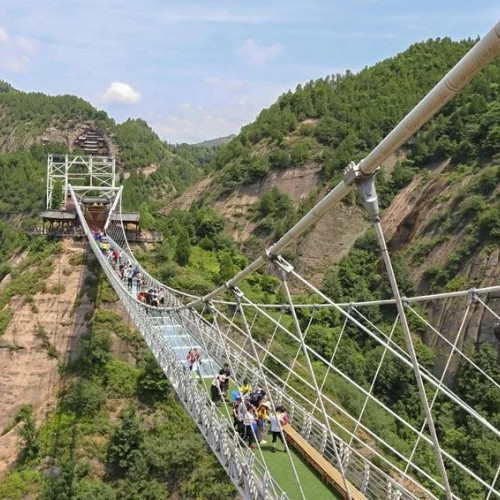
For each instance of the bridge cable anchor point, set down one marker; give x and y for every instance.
(238, 294)
(268, 255)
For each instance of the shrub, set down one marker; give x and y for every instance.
(77, 259)
(5, 317)
(121, 378)
(489, 224)
(300, 154)
(85, 397)
(471, 206)
(488, 179)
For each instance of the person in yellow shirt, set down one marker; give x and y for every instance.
(246, 388)
(262, 417)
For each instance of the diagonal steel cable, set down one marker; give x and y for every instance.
(372, 386)
(454, 347)
(300, 334)
(443, 375)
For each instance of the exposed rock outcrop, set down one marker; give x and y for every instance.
(41, 335)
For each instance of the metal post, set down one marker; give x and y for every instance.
(370, 200)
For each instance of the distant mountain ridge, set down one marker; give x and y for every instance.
(219, 141)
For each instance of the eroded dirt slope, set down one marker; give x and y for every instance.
(406, 223)
(322, 246)
(40, 336)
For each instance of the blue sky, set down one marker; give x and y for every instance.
(199, 69)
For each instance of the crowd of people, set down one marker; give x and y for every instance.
(129, 272)
(252, 410)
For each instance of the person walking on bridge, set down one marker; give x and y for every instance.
(278, 419)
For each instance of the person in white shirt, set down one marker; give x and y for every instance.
(248, 422)
(277, 420)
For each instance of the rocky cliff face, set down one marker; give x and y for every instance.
(41, 336)
(321, 247)
(406, 224)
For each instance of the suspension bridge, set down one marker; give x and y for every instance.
(336, 435)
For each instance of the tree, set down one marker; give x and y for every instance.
(208, 222)
(57, 194)
(183, 247)
(152, 381)
(127, 441)
(147, 220)
(226, 267)
(97, 346)
(85, 397)
(27, 432)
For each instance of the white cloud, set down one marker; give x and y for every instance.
(192, 123)
(121, 93)
(258, 55)
(28, 45)
(14, 64)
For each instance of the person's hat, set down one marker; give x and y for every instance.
(267, 404)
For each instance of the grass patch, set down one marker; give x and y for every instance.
(77, 259)
(5, 317)
(21, 484)
(41, 334)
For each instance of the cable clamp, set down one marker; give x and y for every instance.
(473, 296)
(285, 266)
(238, 294)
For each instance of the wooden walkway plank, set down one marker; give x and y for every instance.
(327, 471)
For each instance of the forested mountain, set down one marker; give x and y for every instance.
(220, 141)
(340, 118)
(28, 119)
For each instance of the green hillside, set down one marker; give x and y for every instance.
(341, 118)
